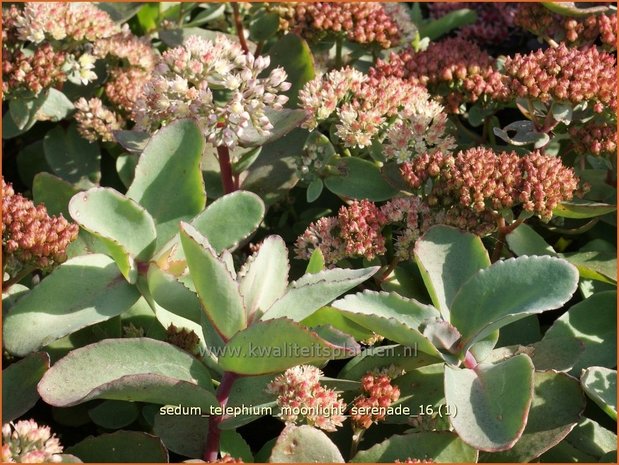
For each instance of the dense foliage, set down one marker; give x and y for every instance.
(254, 232)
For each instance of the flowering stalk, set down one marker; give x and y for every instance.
(504, 230)
(225, 167)
(239, 27)
(211, 449)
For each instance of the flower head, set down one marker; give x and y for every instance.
(594, 138)
(364, 108)
(59, 20)
(564, 74)
(453, 69)
(215, 83)
(302, 399)
(95, 121)
(378, 395)
(364, 22)
(30, 237)
(574, 31)
(360, 228)
(32, 73)
(136, 51)
(482, 181)
(27, 442)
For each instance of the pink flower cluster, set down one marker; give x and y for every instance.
(302, 399)
(363, 22)
(364, 108)
(454, 69)
(27, 442)
(64, 20)
(494, 20)
(574, 31)
(31, 74)
(594, 138)
(135, 51)
(360, 229)
(183, 82)
(562, 73)
(357, 230)
(484, 181)
(30, 237)
(378, 392)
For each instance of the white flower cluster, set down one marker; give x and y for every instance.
(377, 109)
(215, 83)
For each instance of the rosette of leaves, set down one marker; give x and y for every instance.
(511, 404)
(160, 258)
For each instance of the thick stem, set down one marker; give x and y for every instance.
(238, 23)
(225, 167)
(211, 450)
(504, 230)
(387, 271)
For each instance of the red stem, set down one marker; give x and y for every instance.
(225, 167)
(211, 450)
(239, 27)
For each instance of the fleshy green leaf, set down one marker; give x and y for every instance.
(127, 230)
(114, 414)
(53, 192)
(132, 141)
(600, 384)
(453, 20)
(72, 157)
(420, 388)
(447, 258)
(264, 26)
(19, 385)
(371, 358)
(81, 292)
(140, 369)
(121, 447)
(283, 122)
(225, 231)
(525, 241)
(491, 402)
(216, 288)
(438, 446)
(168, 180)
(359, 179)
(233, 444)
(56, 106)
(173, 295)
(304, 444)
(593, 322)
(274, 172)
(182, 432)
(275, 345)
(265, 276)
(313, 291)
(508, 291)
(388, 305)
(582, 209)
(292, 53)
(314, 190)
(316, 262)
(556, 408)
